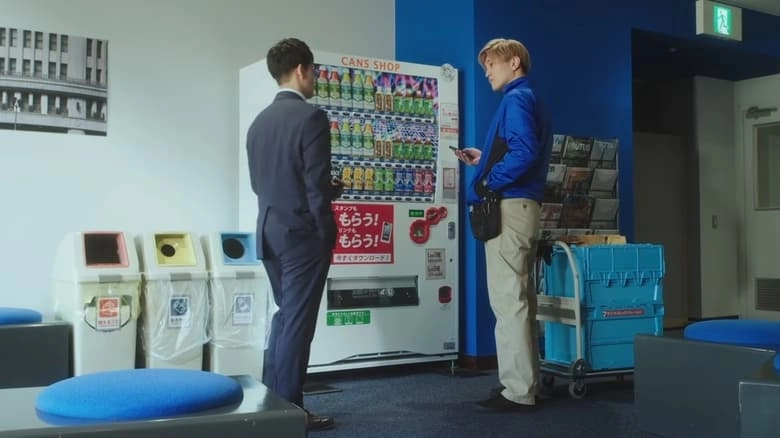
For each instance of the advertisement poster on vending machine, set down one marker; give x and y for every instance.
(391, 294)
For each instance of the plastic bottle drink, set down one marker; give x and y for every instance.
(399, 94)
(387, 91)
(335, 138)
(368, 91)
(379, 141)
(387, 151)
(323, 92)
(379, 96)
(357, 90)
(357, 138)
(427, 150)
(428, 98)
(398, 146)
(346, 89)
(346, 137)
(334, 88)
(368, 140)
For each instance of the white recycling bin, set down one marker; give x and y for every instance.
(97, 284)
(174, 301)
(240, 313)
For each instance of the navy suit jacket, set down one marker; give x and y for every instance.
(288, 150)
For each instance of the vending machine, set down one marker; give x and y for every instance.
(392, 290)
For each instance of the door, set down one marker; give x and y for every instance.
(760, 243)
(660, 213)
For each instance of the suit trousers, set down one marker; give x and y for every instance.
(297, 277)
(510, 259)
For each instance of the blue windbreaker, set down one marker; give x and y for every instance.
(522, 123)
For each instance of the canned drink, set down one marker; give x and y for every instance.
(418, 182)
(379, 179)
(346, 177)
(368, 179)
(400, 174)
(357, 179)
(428, 182)
(408, 186)
(389, 182)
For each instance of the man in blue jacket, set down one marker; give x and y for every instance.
(522, 129)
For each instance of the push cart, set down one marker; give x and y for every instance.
(558, 310)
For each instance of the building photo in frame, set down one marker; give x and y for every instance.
(53, 82)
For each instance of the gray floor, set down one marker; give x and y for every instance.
(423, 401)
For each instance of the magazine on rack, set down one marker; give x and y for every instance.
(577, 180)
(576, 211)
(557, 149)
(554, 185)
(603, 154)
(604, 214)
(551, 215)
(604, 180)
(576, 151)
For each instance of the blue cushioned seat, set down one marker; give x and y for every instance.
(741, 332)
(13, 315)
(139, 394)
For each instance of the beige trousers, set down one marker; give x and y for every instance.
(509, 260)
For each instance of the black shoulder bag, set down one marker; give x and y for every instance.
(486, 216)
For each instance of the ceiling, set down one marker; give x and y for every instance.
(766, 6)
(662, 57)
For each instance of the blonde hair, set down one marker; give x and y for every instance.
(506, 50)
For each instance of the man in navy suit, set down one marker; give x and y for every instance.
(288, 149)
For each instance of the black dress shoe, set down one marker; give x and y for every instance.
(318, 422)
(500, 404)
(543, 392)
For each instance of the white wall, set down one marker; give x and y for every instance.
(760, 230)
(169, 160)
(715, 147)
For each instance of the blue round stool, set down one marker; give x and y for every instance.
(13, 315)
(138, 394)
(741, 332)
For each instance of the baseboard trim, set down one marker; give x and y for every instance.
(478, 362)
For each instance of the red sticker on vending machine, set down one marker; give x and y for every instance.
(365, 234)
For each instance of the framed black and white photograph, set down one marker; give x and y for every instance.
(53, 82)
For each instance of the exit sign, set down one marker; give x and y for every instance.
(718, 20)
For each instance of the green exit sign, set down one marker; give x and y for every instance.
(719, 20)
(722, 17)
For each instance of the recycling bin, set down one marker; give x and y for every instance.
(97, 284)
(174, 300)
(240, 317)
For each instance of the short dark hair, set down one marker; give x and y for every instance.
(286, 55)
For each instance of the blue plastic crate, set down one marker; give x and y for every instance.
(610, 275)
(607, 335)
(621, 295)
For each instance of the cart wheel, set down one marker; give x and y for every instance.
(548, 380)
(578, 369)
(577, 389)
